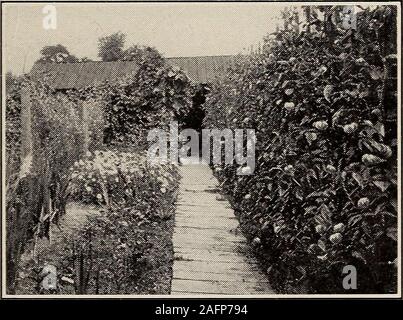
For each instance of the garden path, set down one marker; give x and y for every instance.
(211, 254)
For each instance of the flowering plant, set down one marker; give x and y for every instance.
(115, 178)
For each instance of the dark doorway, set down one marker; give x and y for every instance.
(194, 120)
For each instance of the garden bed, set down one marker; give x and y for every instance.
(116, 237)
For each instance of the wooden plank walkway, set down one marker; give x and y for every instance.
(211, 254)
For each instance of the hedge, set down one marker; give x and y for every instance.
(324, 192)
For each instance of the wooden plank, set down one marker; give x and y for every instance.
(208, 244)
(205, 210)
(209, 218)
(203, 222)
(208, 227)
(210, 276)
(230, 258)
(214, 267)
(219, 287)
(207, 204)
(218, 226)
(214, 255)
(211, 214)
(197, 194)
(215, 207)
(211, 255)
(208, 234)
(188, 246)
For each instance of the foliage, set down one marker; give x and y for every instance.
(113, 252)
(56, 133)
(143, 54)
(36, 194)
(13, 122)
(153, 95)
(57, 54)
(13, 186)
(149, 98)
(118, 179)
(324, 192)
(110, 48)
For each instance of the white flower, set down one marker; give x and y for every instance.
(99, 196)
(320, 125)
(246, 170)
(289, 91)
(89, 189)
(88, 154)
(289, 106)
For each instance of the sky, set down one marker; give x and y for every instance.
(175, 29)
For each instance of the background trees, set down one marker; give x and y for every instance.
(56, 53)
(110, 48)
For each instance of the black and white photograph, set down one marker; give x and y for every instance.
(201, 149)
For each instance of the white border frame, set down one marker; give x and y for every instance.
(4, 295)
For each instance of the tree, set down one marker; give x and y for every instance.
(110, 48)
(57, 53)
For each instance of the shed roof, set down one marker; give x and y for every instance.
(78, 75)
(204, 69)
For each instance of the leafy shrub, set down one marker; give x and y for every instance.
(150, 98)
(323, 195)
(13, 123)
